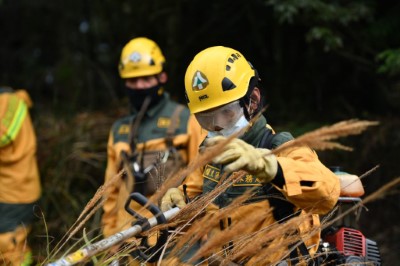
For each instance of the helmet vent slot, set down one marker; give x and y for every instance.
(227, 84)
(235, 57)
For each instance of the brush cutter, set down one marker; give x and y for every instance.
(141, 225)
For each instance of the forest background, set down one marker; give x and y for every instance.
(320, 61)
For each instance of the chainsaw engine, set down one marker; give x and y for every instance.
(342, 243)
(347, 246)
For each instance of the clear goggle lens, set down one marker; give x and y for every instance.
(223, 117)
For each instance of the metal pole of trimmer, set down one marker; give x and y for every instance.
(93, 249)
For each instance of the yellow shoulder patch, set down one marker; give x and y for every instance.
(124, 129)
(163, 122)
(212, 173)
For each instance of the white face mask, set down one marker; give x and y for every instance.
(226, 132)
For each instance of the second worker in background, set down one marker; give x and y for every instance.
(157, 139)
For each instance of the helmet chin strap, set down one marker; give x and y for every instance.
(246, 113)
(245, 101)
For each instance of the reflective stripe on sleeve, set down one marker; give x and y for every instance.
(12, 120)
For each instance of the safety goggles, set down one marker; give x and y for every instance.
(223, 117)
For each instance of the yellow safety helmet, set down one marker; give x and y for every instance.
(217, 76)
(140, 57)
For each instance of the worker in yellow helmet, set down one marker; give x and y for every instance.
(19, 176)
(224, 93)
(157, 138)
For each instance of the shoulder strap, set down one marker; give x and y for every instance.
(132, 141)
(173, 125)
(135, 123)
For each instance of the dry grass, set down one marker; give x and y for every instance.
(194, 224)
(320, 139)
(90, 209)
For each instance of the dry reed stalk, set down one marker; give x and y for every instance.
(319, 139)
(204, 224)
(232, 233)
(296, 241)
(203, 201)
(122, 252)
(89, 206)
(248, 245)
(195, 208)
(200, 160)
(337, 130)
(86, 218)
(270, 240)
(369, 172)
(175, 180)
(328, 220)
(240, 225)
(192, 211)
(374, 196)
(100, 192)
(380, 193)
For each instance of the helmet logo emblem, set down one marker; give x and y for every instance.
(135, 57)
(199, 81)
